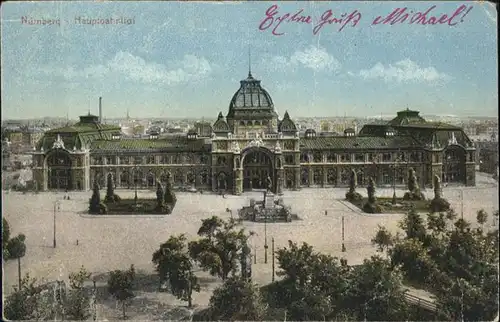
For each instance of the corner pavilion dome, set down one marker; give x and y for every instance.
(250, 95)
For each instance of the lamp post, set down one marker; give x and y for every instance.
(57, 207)
(265, 236)
(462, 203)
(272, 256)
(343, 244)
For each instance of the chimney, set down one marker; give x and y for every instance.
(100, 109)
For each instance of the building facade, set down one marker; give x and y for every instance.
(251, 144)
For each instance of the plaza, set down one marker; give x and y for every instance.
(110, 242)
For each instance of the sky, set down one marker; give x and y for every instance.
(186, 59)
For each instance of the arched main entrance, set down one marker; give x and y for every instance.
(257, 167)
(454, 164)
(59, 170)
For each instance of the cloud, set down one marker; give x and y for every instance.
(315, 58)
(404, 71)
(135, 68)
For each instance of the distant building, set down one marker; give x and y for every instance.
(488, 157)
(5, 155)
(251, 144)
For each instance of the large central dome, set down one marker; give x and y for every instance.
(251, 95)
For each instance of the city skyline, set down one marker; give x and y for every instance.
(169, 63)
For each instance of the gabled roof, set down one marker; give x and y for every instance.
(221, 126)
(287, 125)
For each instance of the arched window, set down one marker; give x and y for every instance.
(59, 159)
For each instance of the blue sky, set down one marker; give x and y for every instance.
(181, 59)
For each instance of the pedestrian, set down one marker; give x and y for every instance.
(326, 213)
(77, 242)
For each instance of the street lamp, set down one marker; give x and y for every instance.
(343, 245)
(57, 207)
(265, 236)
(272, 256)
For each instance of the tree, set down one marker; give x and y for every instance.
(371, 205)
(352, 195)
(120, 285)
(376, 291)
(23, 302)
(413, 225)
(170, 198)
(78, 299)
(95, 200)
(220, 247)
(457, 263)
(174, 266)
(438, 204)
(110, 191)
(237, 300)
(5, 237)
(17, 249)
(313, 284)
(159, 195)
(383, 239)
(414, 190)
(482, 217)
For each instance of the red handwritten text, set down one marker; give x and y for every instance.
(327, 18)
(401, 15)
(271, 20)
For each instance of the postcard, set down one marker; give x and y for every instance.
(250, 160)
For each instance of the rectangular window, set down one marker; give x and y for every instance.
(331, 157)
(345, 157)
(386, 157)
(164, 159)
(359, 157)
(317, 157)
(150, 159)
(110, 160)
(124, 160)
(289, 159)
(138, 160)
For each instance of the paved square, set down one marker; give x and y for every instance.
(115, 242)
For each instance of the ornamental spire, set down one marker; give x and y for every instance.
(249, 63)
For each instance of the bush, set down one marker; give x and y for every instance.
(372, 208)
(114, 198)
(164, 209)
(353, 196)
(103, 209)
(439, 205)
(417, 195)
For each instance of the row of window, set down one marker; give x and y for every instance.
(315, 177)
(152, 159)
(314, 157)
(254, 123)
(330, 157)
(144, 179)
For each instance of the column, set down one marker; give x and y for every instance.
(325, 172)
(238, 181)
(279, 181)
(297, 178)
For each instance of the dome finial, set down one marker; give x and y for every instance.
(249, 63)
